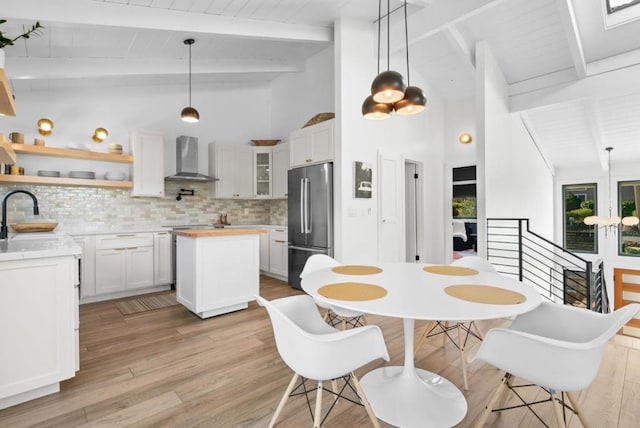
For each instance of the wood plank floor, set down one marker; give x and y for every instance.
(168, 368)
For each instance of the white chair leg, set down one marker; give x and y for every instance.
(557, 407)
(492, 403)
(317, 417)
(284, 398)
(365, 402)
(463, 358)
(574, 403)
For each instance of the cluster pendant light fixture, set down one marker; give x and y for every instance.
(388, 90)
(612, 221)
(189, 114)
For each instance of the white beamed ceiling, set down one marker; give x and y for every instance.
(570, 79)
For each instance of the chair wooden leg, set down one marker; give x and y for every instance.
(326, 315)
(334, 388)
(557, 407)
(444, 326)
(505, 393)
(363, 320)
(365, 402)
(463, 358)
(344, 323)
(574, 403)
(479, 331)
(283, 400)
(423, 337)
(482, 420)
(317, 416)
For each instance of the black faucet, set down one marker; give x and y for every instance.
(4, 232)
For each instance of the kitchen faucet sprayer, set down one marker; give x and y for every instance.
(4, 231)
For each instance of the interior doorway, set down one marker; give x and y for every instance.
(413, 211)
(464, 224)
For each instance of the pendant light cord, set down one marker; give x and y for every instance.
(190, 74)
(388, 33)
(406, 40)
(608, 149)
(379, 18)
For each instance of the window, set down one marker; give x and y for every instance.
(629, 201)
(579, 201)
(617, 5)
(464, 192)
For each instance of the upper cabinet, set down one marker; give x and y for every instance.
(279, 168)
(313, 144)
(262, 172)
(232, 165)
(147, 148)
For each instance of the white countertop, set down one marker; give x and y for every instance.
(22, 246)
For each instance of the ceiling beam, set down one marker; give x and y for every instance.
(535, 139)
(98, 13)
(593, 119)
(461, 48)
(568, 17)
(72, 68)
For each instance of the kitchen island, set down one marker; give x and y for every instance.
(39, 315)
(217, 270)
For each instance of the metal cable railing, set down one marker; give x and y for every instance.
(558, 274)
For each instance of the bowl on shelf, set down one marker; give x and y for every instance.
(115, 176)
(265, 142)
(33, 227)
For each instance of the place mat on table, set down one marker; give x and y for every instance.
(485, 294)
(450, 270)
(357, 270)
(352, 291)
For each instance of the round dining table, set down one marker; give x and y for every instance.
(407, 396)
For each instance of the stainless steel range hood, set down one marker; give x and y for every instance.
(187, 161)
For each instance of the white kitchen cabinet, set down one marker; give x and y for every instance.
(124, 262)
(313, 144)
(162, 258)
(147, 148)
(87, 265)
(264, 252)
(232, 165)
(38, 312)
(262, 172)
(278, 252)
(280, 167)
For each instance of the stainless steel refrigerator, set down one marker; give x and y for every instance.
(310, 216)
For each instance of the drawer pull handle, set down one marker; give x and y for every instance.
(275, 240)
(132, 248)
(119, 249)
(125, 236)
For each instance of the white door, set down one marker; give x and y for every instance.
(413, 211)
(391, 202)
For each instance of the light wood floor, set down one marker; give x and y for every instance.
(168, 368)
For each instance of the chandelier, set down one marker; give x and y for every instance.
(612, 221)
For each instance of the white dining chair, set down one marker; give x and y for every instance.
(464, 330)
(316, 351)
(557, 347)
(333, 314)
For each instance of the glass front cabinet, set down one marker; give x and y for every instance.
(262, 172)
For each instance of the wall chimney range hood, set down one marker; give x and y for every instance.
(187, 161)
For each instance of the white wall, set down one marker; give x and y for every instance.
(226, 115)
(297, 97)
(517, 182)
(460, 116)
(418, 138)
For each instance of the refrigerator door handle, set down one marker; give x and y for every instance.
(311, 250)
(302, 206)
(307, 220)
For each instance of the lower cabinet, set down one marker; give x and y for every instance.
(278, 252)
(121, 269)
(162, 258)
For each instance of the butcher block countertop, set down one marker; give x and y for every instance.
(205, 233)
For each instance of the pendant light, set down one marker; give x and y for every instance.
(189, 114)
(414, 100)
(371, 109)
(388, 86)
(612, 221)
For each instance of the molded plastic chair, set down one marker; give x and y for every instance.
(557, 347)
(333, 314)
(464, 330)
(315, 350)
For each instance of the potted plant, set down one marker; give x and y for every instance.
(7, 41)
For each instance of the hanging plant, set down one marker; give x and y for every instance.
(5, 41)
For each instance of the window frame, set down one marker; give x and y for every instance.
(564, 216)
(621, 227)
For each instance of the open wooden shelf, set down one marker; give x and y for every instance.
(64, 181)
(70, 153)
(7, 155)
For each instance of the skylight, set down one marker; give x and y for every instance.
(618, 12)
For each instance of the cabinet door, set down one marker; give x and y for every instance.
(262, 173)
(264, 252)
(321, 142)
(223, 157)
(139, 267)
(244, 175)
(162, 258)
(147, 148)
(87, 265)
(280, 166)
(110, 270)
(300, 148)
(278, 251)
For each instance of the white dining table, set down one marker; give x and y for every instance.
(407, 396)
